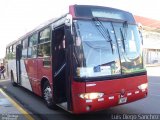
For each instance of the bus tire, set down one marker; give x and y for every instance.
(47, 96)
(12, 80)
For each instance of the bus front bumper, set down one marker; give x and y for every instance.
(83, 106)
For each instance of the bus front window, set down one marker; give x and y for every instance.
(95, 54)
(129, 44)
(106, 48)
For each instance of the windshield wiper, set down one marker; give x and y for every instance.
(125, 26)
(123, 39)
(104, 31)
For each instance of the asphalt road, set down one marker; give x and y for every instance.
(146, 108)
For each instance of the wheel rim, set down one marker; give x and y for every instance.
(47, 94)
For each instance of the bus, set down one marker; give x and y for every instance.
(87, 60)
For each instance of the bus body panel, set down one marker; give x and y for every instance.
(24, 78)
(116, 85)
(112, 93)
(44, 72)
(77, 89)
(33, 71)
(11, 67)
(31, 65)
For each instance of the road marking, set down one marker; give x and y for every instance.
(24, 112)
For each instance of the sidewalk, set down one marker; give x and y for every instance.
(153, 71)
(10, 110)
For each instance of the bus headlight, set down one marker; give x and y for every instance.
(143, 86)
(91, 96)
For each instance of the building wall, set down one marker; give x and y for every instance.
(151, 47)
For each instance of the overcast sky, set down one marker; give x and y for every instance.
(20, 16)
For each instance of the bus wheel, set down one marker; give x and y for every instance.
(12, 80)
(47, 95)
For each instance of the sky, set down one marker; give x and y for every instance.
(18, 17)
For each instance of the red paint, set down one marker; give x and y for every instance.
(36, 72)
(109, 88)
(31, 67)
(71, 11)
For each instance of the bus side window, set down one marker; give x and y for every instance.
(44, 50)
(44, 43)
(32, 49)
(14, 51)
(24, 49)
(7, 53)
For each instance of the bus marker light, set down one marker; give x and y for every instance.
(136, 92)
(88, 101)
(128, 94)
(90, 85)
(101, 99)
(111, 97)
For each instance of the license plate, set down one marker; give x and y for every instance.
(122, 100)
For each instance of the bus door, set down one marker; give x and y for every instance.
(18, 65)
(60, 76)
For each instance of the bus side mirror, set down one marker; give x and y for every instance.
(68, 21)
(140, 29)
(141, 36)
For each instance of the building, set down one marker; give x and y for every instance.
(151, 40)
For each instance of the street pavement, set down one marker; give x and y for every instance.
(10, 110)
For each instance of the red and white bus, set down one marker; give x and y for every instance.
(87, 60)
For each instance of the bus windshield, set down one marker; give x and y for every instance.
(129, 45)
(106, 48)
